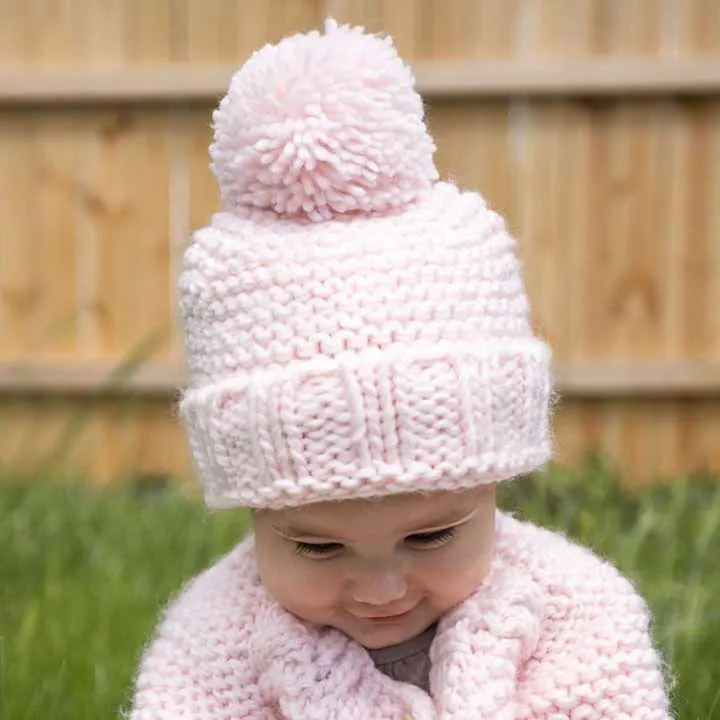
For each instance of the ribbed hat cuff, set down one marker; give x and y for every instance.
(402, 419)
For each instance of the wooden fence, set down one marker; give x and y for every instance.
(593, 125)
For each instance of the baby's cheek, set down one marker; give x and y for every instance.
(455, 577)
(309, 593)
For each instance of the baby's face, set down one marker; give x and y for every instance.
(382, 571)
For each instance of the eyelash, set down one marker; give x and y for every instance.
(316, 549)
(435, 539)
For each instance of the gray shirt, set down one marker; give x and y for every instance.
(409, 661)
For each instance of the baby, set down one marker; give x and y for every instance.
(363, 373)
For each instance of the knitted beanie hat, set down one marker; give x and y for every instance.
(354, 326)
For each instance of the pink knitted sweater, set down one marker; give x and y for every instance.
(553, 632)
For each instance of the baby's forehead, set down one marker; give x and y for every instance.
(392, 512)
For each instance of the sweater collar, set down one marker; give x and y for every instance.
(477, 653)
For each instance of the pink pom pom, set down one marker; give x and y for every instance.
(320, 125)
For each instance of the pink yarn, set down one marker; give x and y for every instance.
(553, 633)
(353, 359)
(323, 125)
(354, 327)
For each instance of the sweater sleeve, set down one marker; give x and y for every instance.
(195, 667)
(596, 657)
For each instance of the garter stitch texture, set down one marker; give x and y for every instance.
(354, 326)
(554, 633)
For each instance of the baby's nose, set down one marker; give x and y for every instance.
(380, 585)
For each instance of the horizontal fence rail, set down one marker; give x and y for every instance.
(578, 380)
(616, 77)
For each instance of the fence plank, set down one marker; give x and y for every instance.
(366, 13)
(124, 207)
(698, 25)
(20, 289)
(406, 22)
(464, 29)
(53, 209)
(291, 16)
(712, 191)
(473, 145)
(153, 31)
(252, 28)
(49, 30)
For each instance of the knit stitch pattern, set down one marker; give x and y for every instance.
(362, 358)
(554, 632)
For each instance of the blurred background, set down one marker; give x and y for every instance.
(592, 125)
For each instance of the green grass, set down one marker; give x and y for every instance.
(84, 574)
